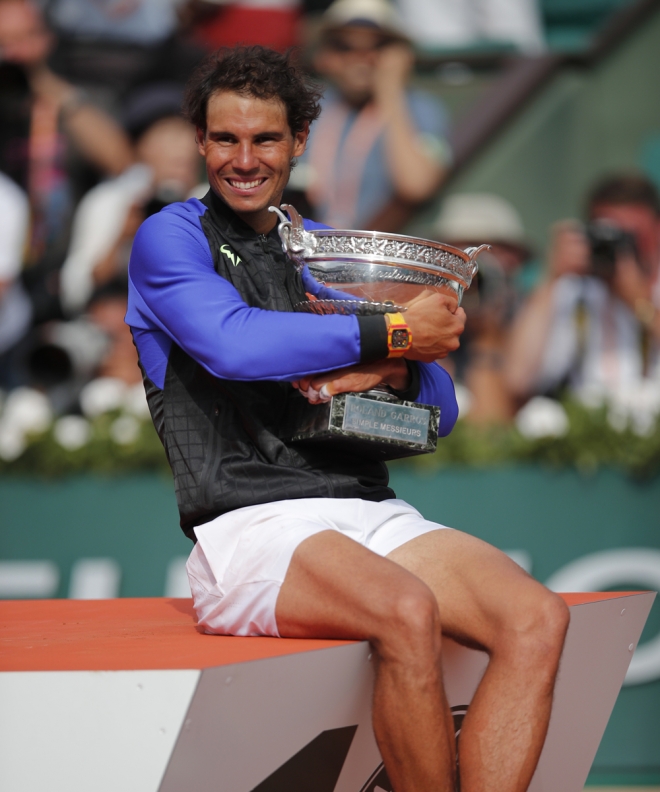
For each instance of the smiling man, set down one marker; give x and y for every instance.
(311, 542)
(249, 147)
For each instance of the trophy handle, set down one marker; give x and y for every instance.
(296, 242)
(296, 220)
(473, 253)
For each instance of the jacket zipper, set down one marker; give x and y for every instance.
(283, 290)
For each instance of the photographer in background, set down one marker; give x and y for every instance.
(167, 169)
(594, 324)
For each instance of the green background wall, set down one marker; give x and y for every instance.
(586, 122)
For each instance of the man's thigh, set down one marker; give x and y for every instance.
(480, 590)
(340, 584)
(242, 558)
(336, 588)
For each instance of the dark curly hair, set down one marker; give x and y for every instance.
(253, 71)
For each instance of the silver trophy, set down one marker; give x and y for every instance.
(375, 273)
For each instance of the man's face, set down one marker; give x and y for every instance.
(350, 60)
(248, 147)
(639, 220)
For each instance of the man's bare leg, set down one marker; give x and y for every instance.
(486, 600)
(336, 588)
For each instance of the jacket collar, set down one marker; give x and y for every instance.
(229, 223)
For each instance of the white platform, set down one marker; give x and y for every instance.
(127, 695)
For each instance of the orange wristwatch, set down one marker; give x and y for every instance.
(399, 336)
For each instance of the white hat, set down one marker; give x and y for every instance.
(377, 13)
(480, 217)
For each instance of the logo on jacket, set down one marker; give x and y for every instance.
(235, 260)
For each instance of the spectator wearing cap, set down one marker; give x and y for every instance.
(472, 219)
(379, 149)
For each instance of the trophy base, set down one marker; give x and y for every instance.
(369, 424)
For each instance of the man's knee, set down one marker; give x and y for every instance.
(537, 626)
(553, 623)
(410, 625)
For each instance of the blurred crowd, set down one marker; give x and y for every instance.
(584, 323)
(92, 142)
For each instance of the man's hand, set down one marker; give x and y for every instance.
(392, 72)
(436, 323)
(354, 379)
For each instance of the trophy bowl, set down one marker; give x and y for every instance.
(370, 272)
(375, 267)
(384, 268)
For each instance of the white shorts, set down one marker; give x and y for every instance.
(241, 558)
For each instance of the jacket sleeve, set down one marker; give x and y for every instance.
(175, 289)
(436, 387)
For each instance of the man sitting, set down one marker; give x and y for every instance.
(302, 541)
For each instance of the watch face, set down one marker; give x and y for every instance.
(400, 338)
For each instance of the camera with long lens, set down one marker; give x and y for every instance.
(607, 243)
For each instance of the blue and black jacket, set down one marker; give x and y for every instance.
(211, 312)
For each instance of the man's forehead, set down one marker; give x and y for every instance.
(246, 104)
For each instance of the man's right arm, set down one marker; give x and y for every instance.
(175, 291)
(416, 169)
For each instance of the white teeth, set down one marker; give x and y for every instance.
(240, 185)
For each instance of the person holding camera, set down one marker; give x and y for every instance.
(593, 325)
